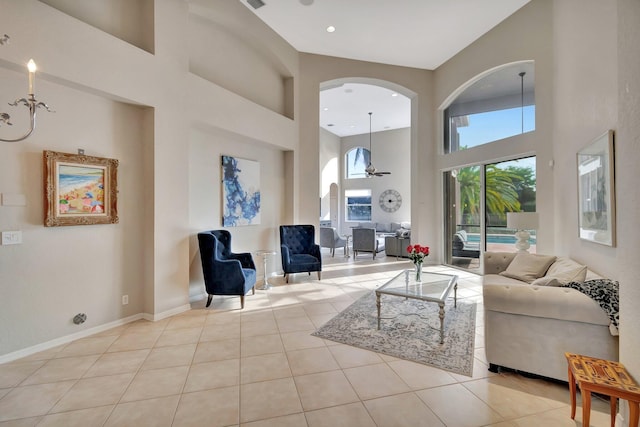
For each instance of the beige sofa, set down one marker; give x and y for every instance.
(530, 322)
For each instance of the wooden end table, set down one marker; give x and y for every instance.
(604, 377)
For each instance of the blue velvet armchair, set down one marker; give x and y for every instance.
(299, 251)
(225, 273)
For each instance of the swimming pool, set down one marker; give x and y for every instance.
(499, 238)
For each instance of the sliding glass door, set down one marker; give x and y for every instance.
(477, 199)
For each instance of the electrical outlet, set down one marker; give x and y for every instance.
(125, 299)
(11, 237)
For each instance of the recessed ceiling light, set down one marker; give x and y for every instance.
(325, 109)
(330, 124)
(352, 126)
(394, 94)
(331, 29)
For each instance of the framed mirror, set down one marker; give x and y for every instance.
(596, 194)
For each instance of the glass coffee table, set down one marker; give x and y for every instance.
(433, 287)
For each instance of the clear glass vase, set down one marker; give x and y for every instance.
(418, 271)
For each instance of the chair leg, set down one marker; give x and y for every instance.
(253, 290)
(209, 300)
(241, 302)
(319, 274)
(286, 278)
(333, 252)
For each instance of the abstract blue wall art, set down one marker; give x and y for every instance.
(240, 192)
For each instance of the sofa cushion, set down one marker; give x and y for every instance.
(562, 265)
(528, 267)
(395, 226)
(383, 227)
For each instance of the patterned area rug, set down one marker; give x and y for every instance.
(409, 329)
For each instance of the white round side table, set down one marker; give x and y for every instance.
(265, 254)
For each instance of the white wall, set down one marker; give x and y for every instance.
(391, 153)
(205, 149)
(330, 171)
(93, 80)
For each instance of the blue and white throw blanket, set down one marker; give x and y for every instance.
(606, 293)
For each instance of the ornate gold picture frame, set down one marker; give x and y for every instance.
(79, 189)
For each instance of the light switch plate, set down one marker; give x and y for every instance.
(11, 237)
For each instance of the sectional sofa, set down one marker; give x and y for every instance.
(531, 319)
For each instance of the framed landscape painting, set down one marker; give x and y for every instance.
(596, 194)
(240, 192)
(79, 189)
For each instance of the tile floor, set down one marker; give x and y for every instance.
(260, 367)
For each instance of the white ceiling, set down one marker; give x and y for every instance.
(412, 33)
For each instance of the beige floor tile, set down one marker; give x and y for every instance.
(43, 355)
(264, 367)
(87, 346)
(179, 337)
(209, 375)
(22, 422)
(350, 357)
(92, 417)
(266, 315)
(373, 381)
(261, 344)
(212, 408)
(351, 415)
(153, 412)
(319, 320)
(68, 368)
(220, 332)
(92, 392)
(251, 329)
(294, 420)
(418, 376)
(301, 339)
(220, 318)
(268, 399)
(401, 410)
(186, 322)
(32, 400)
(166, 357)
(117, 363)
(156, 383)
(560, 417)
(12, 374)
(320, 308)
(146, 326)
(448, 401)
(135, 341)
(288, 312)
(311, 361)
(503, 396)
(294, 324)
(324, 390)
(210, 351)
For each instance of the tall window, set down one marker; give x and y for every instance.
(499, 105)
(358, 205)
(357, 160)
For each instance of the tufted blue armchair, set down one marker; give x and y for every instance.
(299, 251)
(225, 273)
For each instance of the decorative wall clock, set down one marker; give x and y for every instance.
(390, 200)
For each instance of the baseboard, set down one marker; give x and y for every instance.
(9, 357)
(159, 316)
(67, 339)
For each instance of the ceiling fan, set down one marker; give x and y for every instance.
(370, 170)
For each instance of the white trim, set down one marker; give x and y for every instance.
(67, 339)
(165, 314)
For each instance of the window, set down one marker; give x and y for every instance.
(499, 105)
(358, 205)
(357, 160)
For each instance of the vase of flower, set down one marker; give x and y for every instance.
(418, 272)
(417, 254)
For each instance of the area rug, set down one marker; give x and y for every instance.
(409, 329)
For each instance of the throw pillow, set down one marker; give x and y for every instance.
(528, 267)
(576, 275)
(546, 281)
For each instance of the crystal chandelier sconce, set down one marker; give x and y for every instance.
(30, 101)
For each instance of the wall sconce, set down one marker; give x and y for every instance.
(31, 102)
(522, 222)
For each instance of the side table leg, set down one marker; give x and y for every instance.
(634, 414)
(455, 295)
(572, 393)
(612, 402)
(586, 406)
(441, 314)
(378, 306)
